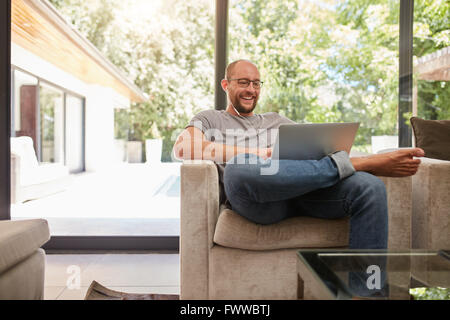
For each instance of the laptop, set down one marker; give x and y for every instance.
(313, 141)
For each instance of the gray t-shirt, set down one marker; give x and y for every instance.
(259, 130)
(220, 126)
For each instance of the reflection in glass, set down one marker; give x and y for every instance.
(384, 275)
(24, 109)
(364, 276)
(51, 105)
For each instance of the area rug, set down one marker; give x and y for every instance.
(98, 292)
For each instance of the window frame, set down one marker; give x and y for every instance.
(5, 113)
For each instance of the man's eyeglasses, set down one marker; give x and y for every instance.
(244, 83)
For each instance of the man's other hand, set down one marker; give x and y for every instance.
(399, 163)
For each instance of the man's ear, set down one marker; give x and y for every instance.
(224, 84)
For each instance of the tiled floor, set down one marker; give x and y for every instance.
(133, 273)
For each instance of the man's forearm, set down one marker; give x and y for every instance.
(217, 152)
(221, 153)
(361, 164)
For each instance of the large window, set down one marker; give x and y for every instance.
(166, 49)
(321, 61)
(325, 61)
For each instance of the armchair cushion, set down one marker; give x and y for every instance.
(433, 136)
(23, 147)
(19, 239)
(234, 231)
(46, 172)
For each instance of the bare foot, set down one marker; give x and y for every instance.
(399, 163)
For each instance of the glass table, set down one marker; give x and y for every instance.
(369, 274)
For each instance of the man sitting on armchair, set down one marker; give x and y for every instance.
(332, 187)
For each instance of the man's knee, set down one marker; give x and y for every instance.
(261, 213)
(368, 184)
(369, 211)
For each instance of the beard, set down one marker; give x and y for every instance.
(240, 108)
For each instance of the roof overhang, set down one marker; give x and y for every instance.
(434, 66)
(37, 26)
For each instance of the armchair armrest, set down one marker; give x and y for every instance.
(199, 214)
(431, 205)
(399, 198)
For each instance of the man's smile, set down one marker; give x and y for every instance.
(247, 99)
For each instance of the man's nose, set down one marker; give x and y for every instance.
(251, 88)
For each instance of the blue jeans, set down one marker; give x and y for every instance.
(309, 188)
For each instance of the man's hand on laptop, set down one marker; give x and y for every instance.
(399, 163)
(264, 153)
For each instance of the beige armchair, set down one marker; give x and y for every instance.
(224, 256)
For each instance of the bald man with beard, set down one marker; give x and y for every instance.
(333, 187)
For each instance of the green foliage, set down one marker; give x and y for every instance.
(121, 124)
(431, 33)
(49, 100)
(167, 51)
(321, 61)
(430, 293)
(433, 100)
(431, 26)
(325, 61)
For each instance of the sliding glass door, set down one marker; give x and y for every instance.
(51, 107)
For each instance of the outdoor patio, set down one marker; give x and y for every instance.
(125, 199)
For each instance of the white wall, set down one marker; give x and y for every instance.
(99, 130)
(100, 104)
